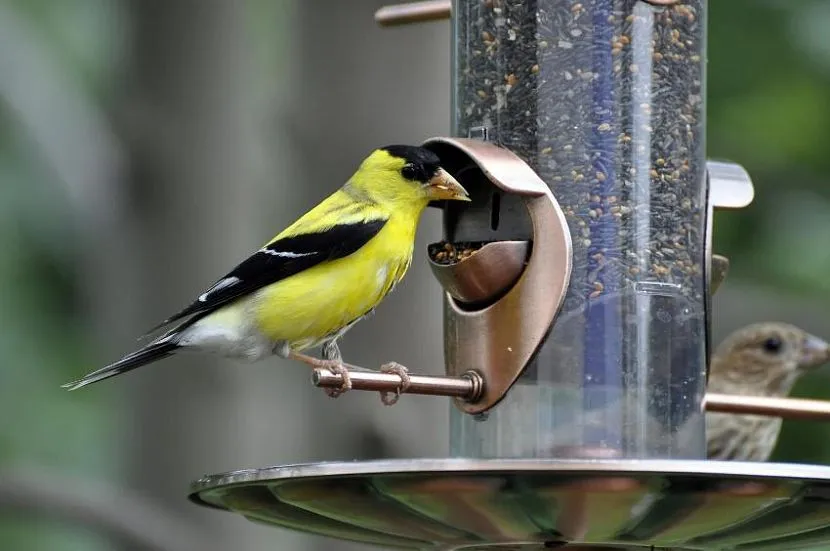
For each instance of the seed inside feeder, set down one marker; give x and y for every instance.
(447, 253)
(490, 270)
(605, 101)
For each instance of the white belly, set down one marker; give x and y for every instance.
(228, 333)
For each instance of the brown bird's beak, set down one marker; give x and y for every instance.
(443, 187)
(814, 352)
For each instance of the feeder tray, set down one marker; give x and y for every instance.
(537, 504)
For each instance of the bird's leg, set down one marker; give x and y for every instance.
(402, 372)
(334, 365)
(330, 351)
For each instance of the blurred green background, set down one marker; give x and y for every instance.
(139, 149)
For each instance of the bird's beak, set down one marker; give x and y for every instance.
(443, 187)
(814, 352)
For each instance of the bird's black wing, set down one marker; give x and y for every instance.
(278, 260)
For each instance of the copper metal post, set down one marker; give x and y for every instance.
(469, 387)
(466, 387)
(786, 408)
(436, 10)
(413, 12)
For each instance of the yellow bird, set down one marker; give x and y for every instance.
(312, 282)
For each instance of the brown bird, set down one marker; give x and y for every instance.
(763, 359)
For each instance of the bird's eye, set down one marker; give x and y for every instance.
(409, 171)
(772, 344)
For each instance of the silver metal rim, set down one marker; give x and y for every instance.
(634, 467)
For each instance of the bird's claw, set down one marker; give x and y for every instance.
(334, 365)
(402, 372)
(338, 368)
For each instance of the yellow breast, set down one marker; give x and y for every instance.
(305, 308)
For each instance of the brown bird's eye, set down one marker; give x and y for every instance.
(772, 344)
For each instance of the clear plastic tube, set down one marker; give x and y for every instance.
(605, 100)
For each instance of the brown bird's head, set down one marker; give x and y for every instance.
(765, 359)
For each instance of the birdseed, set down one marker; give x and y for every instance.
(447, 253)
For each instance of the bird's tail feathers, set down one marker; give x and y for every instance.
(152, 352)
(155, 329)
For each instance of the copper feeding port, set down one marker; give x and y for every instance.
(504, 266)
(478, 273)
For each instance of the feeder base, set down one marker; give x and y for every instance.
(507, 505)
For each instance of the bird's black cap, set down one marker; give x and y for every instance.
(421, 164)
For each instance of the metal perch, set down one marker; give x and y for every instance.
(469, 387)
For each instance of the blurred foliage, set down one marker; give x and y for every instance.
(769, 109)
(42, 338)
(41, 341)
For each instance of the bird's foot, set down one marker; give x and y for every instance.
(335, 366)
(395, 368)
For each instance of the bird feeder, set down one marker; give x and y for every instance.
(577, 308)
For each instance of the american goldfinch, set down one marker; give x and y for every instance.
(763, 359)
(312, 282)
